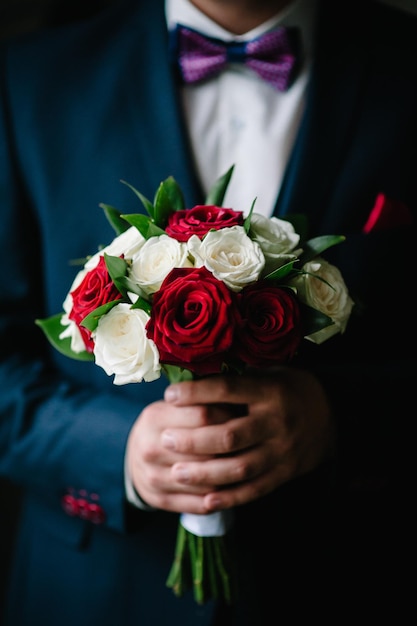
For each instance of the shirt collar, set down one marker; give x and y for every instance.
(299, 13)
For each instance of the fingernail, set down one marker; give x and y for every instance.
(213, 503)
(171, 393)
(168, 440)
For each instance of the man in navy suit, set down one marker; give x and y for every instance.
(314, 469)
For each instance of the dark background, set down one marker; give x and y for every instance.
(25, 15)
(18, 16)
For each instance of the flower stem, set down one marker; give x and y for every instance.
(177, 576)
(203, 564)
(222, 565)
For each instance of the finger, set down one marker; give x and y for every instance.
(238, 390)
(245, 492)
(179, 503)
(219, 439)
(211, 474)
(198, 415)
(222, 471)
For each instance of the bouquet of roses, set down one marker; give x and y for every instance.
(189, 292)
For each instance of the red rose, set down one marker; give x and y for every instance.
(271, 327)
(199, 220)
(96, 288)
(192, 320)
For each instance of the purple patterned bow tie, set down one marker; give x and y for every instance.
(274, 55)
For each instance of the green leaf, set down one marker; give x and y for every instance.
(52, 328)
(117, 269)
(217, 192)
(283, 271)
(126, 284)
(176, 374)
(143, 304)
(116, 266)
(146, 203)
(144, 224)
(168, 199)
(314, 320)
(246, 223)
(314, 247)
(92, 319)
(114, 218)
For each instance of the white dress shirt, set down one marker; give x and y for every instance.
(238, 119)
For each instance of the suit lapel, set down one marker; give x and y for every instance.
(155, 108)
(333, 96)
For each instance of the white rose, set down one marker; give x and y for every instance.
(154, 261)
(332, 299)
(230, 255)
(277, 239)
(128, 244)
(121, 346)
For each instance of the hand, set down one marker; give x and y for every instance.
(202, 457)
(150, 456)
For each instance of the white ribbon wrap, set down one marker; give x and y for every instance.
(210, 525)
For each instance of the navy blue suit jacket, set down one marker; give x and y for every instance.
(87, 104)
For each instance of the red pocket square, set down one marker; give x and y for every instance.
(387, 214)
